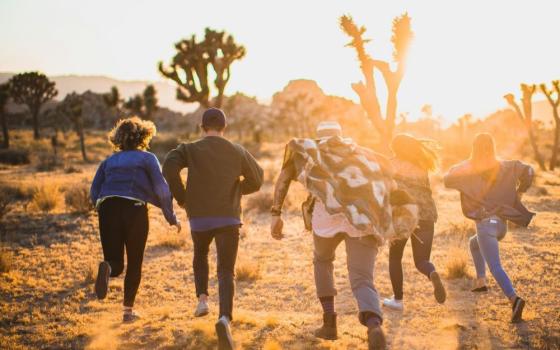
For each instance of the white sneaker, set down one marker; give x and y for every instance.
(393, 304)
(202, 309)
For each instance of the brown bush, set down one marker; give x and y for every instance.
(77, 199)
(261, 202)
(46, 198)
(247, 272)
(457, 264)
(14, 156)
(5, 261)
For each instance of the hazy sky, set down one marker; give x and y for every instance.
(466, 55)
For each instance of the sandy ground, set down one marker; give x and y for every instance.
(46, 299)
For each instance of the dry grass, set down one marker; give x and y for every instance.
(260, 202)
(46, 197)
(90, 274)
(457, 264)
(46, 299)
(6, 261)
(77, 199)
(247, 272)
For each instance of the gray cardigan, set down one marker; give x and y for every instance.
(480, 200)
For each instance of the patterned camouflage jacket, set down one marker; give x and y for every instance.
(416, 183)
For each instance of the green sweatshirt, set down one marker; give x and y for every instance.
(214, 186)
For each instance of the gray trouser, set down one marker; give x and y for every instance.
(360, 259)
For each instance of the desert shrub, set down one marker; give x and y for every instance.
(77, 199)
(457, 264)
(161, 146)
(172, 242)
(46, 162)
(247, 272)
(5, 261)
(261, 202)
(14, 156)
(8, 197)
(462, 230)
(46, 197)
(72, 170)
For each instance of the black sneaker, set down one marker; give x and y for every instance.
(517, 310)
(130, 316)
(439, 289)
(102, 281)
(225, 340)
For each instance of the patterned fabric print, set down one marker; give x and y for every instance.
(416, 183)
(348, 179)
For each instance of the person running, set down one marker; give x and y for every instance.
(350, 188)
(123, 185)
(413, 160)
(491, 191)
(212, 198)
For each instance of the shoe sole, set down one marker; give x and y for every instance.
(225, 340)
(201, 314)
(439, 289)
(376, 340)
(102, 281)
(518, 312)
(395, 308)
(335, 337)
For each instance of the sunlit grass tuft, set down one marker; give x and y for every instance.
(457, 264)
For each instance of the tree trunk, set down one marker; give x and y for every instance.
(82, 141)
(538, 156)
(35, 115)
(5, 133)
(556, 140)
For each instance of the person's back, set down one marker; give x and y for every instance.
(213, 186)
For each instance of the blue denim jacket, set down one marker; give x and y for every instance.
(134, 174)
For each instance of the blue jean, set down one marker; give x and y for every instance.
(485, 250)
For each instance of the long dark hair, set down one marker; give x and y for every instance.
(416, 151)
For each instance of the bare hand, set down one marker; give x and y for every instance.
(276, 226)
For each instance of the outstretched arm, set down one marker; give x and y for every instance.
(161, 189)
(174, 162)
(525, 175)
(97, 182)
(287, 174)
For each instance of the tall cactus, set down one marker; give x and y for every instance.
(4, 97)
(32, 89)
(189, 67)
(526, 116)
(554, 103)
(401, 39)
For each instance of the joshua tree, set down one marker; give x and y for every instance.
(150, 101)
(32, 89)
(554, 103)
(113, 97)
(401, 38)
(526, 117)
(189, 67)
(134, 105)
(71, 108)
(4, 97)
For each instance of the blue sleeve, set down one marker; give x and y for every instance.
(97, 182)
(161, 189)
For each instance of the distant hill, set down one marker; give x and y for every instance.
(80, 83)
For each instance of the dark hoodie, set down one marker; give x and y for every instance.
(480, 199)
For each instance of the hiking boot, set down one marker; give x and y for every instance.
(225, 340)
(393, 303)
(328, 329)
(102, 281)
(202, 309)
(130, 316)
(517, 310)
(376, 339)
(439, 289)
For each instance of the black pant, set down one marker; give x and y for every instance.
(227, 241)
(124, 223)
(421, 250)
